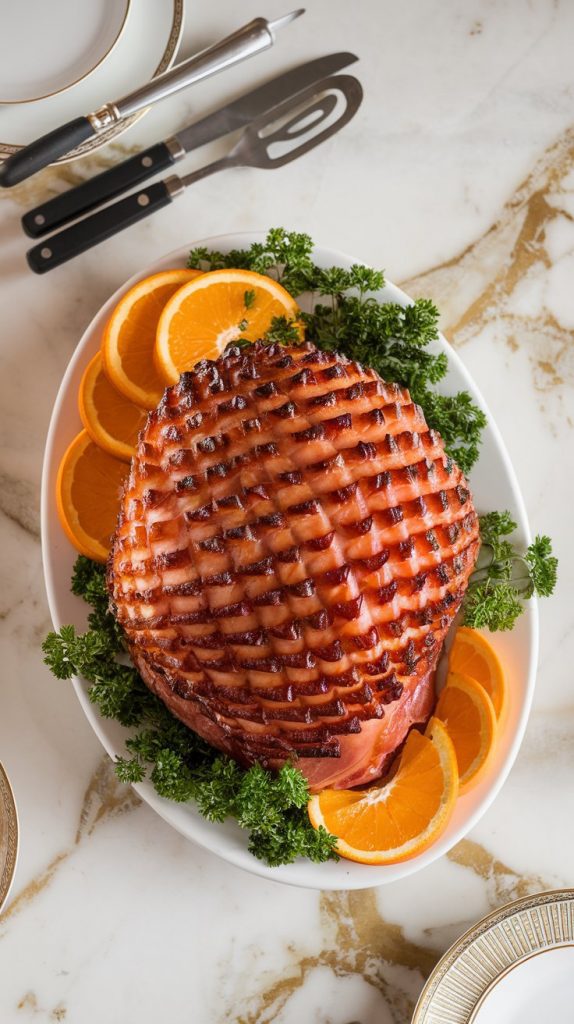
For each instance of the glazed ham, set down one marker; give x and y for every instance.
(293, 544)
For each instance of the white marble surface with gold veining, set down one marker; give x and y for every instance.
(457, 177)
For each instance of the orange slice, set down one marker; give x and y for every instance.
(217, 308)
(472, 655)
(468, 714)
(129, 337)
(404, 816)
(87, 495)
(112, 421)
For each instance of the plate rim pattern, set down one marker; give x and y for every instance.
(491, 948)
(8, 806)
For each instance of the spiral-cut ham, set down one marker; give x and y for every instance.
(293, 544)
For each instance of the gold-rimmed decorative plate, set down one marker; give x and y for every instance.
(34, 64)
(516, 966)
(8, 836)
(145, 46)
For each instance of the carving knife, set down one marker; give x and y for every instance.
(131, 172)
(252, 38)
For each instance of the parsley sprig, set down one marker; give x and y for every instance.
(504, 577)
(181, 766)
(347, 317)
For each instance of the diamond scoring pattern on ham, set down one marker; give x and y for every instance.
(293, 544)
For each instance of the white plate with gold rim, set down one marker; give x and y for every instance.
(495, 487)
(8, 837)
(33, 62)
(116, 46)
(516, 966)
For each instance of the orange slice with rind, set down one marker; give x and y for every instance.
(88, 496)
(129, 336)
(112, 421)
(212, 311)
(467, 712)
(472, 655)
(402, 817)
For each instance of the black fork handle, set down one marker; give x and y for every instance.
(70, 242)
(90, 231)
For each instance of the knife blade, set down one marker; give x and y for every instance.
(125, 175)
(252, 38)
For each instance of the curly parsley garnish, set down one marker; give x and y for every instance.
(504, 577)
(181, 766)
(346, 317)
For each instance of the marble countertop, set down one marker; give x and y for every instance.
(457, 178)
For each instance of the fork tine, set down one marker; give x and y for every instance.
(288, 130)
(253, 147)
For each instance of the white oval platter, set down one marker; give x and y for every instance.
(494, 486)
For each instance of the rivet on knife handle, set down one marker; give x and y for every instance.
(107, 185)
(92, 230)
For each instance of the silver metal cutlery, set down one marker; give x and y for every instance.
(252, 38)
(276, 137)
(131, 172)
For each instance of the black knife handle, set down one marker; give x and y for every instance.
(107, 185)
(44, 151)
(95, 229)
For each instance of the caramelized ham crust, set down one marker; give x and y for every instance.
(292, 547)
